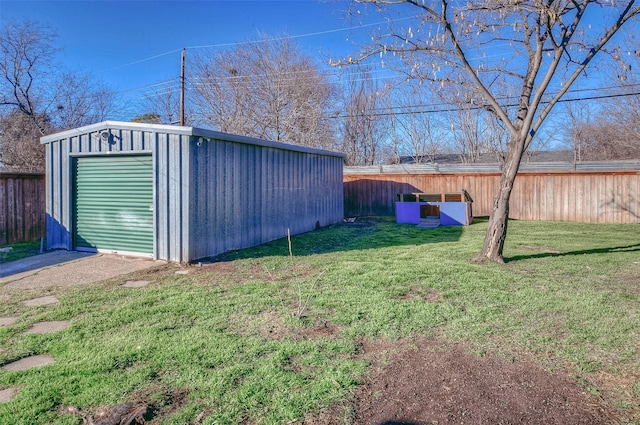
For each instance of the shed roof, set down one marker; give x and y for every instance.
(184, 130)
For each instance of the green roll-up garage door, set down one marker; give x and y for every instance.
(113, 203)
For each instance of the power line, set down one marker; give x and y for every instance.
(162, 83)
(209, 46)
(429, 105)
(475, 108)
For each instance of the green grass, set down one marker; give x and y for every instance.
(19, 251)
(236, 342)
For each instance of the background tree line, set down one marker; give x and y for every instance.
(269, 88)
(39, 96)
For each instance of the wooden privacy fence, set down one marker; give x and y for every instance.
(22, 207)
(587, 192)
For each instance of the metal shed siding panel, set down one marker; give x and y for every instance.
(56, 209)
(60, 201)
(172, 196)
(162, 207)
(184, 143)
(244, 195)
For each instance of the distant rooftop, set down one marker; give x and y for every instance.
(565, 155)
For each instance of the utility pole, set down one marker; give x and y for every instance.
(184, 52)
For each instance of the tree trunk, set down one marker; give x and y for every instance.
(499, 219)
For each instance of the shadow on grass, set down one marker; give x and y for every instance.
(362, 234)
(624, 248)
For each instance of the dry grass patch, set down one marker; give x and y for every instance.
(268, 325)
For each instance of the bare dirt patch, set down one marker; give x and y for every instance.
(227, 272)
(429, 295)
(628, 280)
(268, 325)
(320, 329)
(137, 411)
(426, 383)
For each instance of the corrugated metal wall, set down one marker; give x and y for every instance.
(170, 164)
(611, 195)
(58, 203)
(171, 167)
(213, 192)
(244, 195)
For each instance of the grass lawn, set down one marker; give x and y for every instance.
(18, 251)
(263, 336)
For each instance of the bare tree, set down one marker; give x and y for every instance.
(420, 133)
(38, 97)
(78, 100)
(607, 142)
(475, 132)
(394, 150)
(468, 135)
(266, 89)
(26, 52)
(575, 128)
(363, 128)
(495, 50)
(164, 102)
(607, 130)
(20, 148)
(221, 93)
(615, 134)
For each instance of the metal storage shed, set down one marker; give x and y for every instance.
(182, 193)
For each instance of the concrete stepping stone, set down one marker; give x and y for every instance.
(7, 321)
(182, 272)
(48, 300)
(29, 363)
(7, 395)
(48, 327)
(135, 283)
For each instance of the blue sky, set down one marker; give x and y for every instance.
(133, 44)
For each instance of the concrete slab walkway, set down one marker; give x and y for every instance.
(48, 327)
(7, 395)
(54, 270)
(29, 363)
(8, 321)
(68, 268)
(35, 302)
(36, 262)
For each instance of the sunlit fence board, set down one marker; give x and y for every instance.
(22, 217)
(592, 193)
